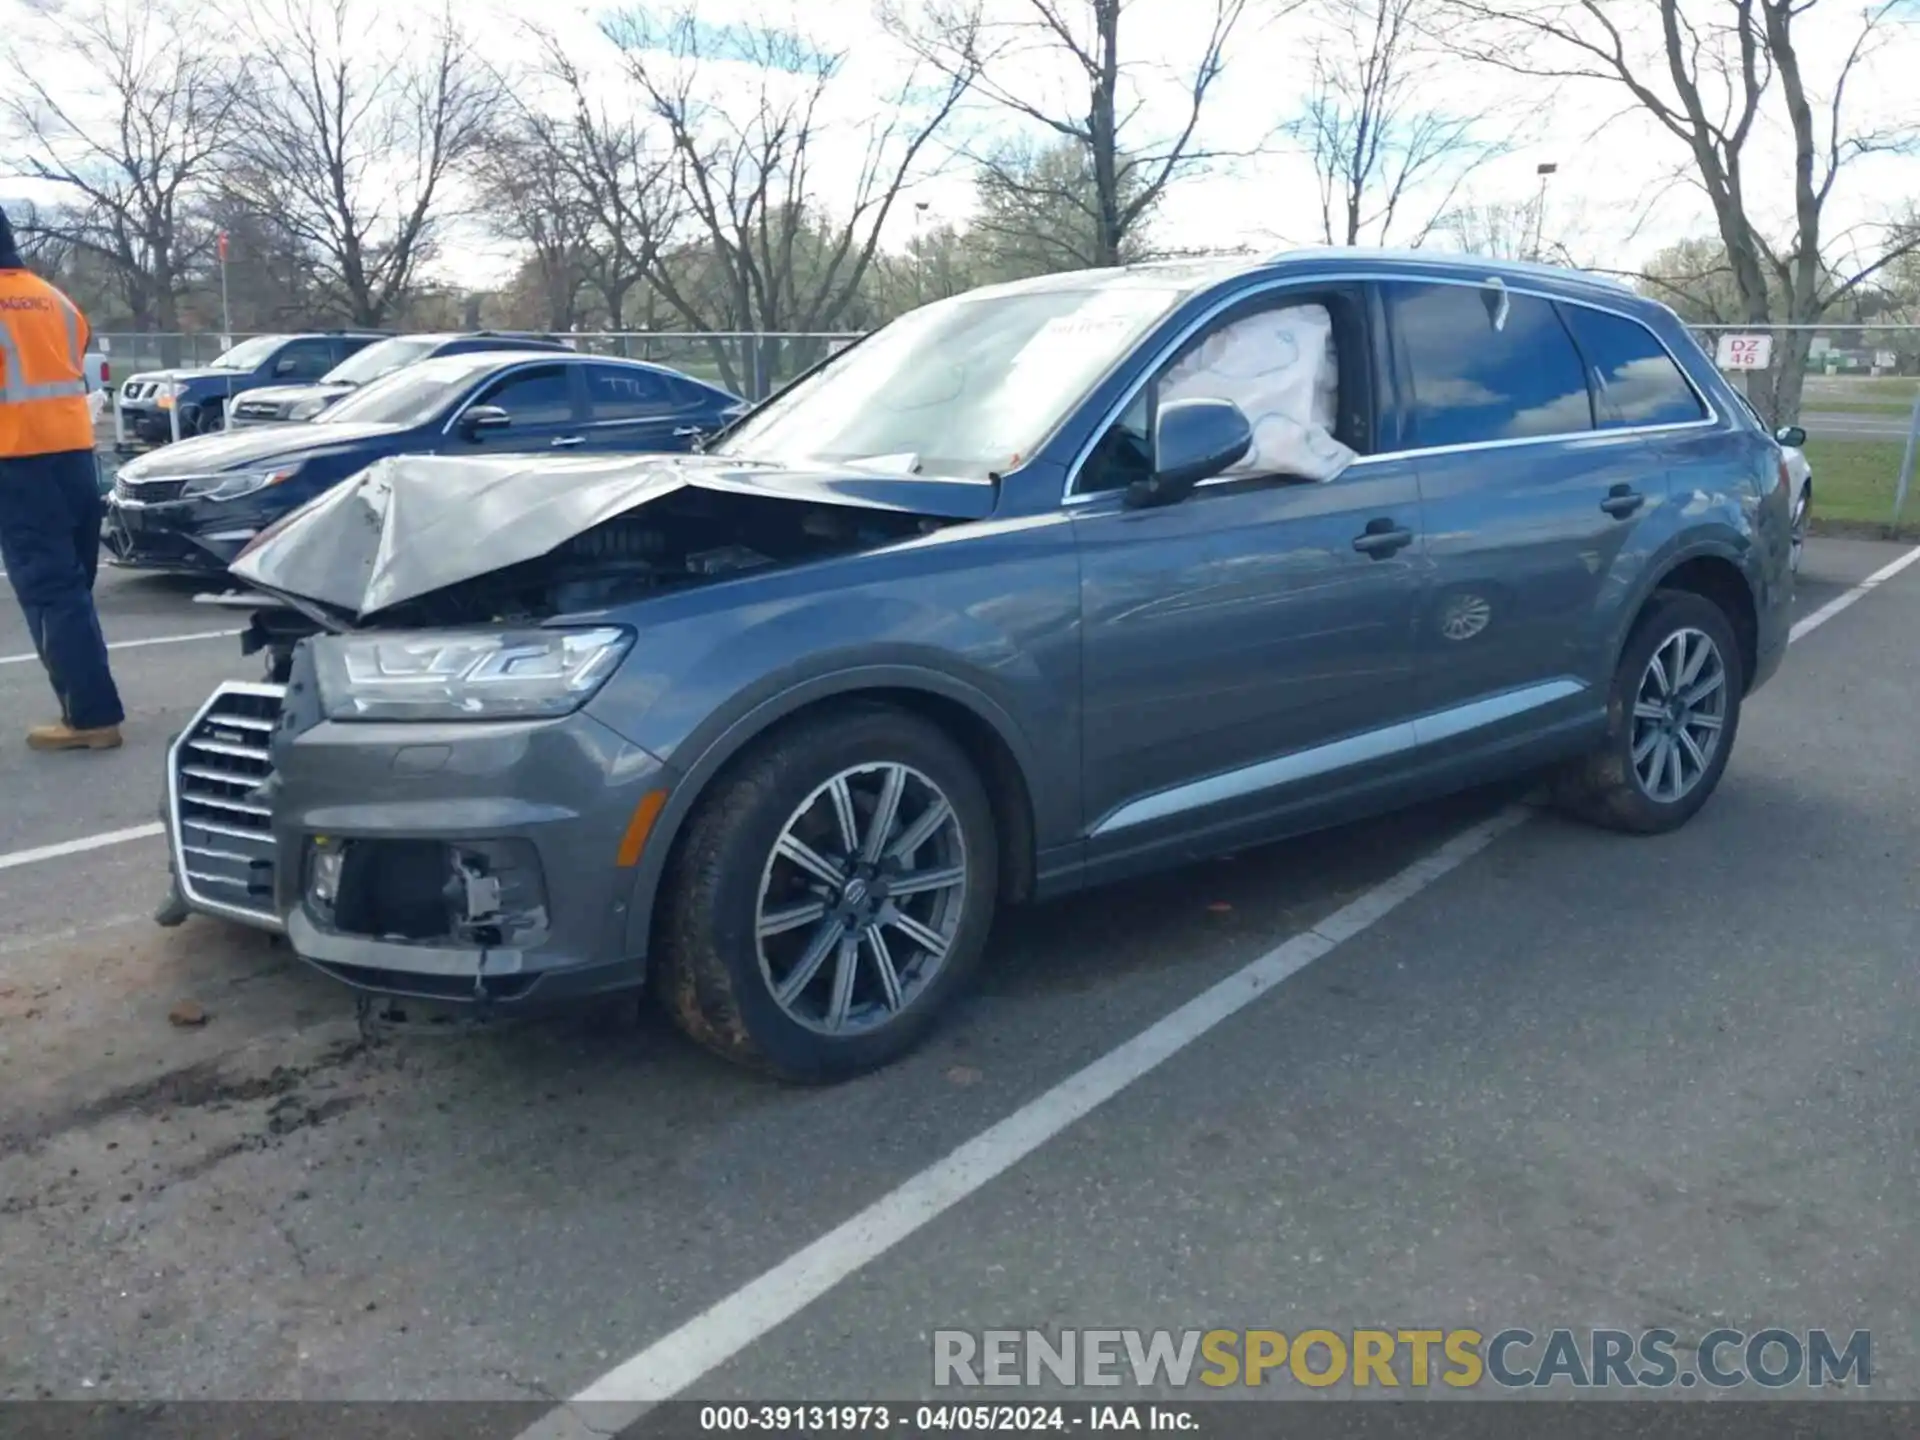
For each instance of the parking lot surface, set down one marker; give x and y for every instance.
(1569, 1078)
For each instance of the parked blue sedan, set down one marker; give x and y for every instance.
(193, 506)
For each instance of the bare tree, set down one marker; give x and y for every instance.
(1378, 151)
(351, 143)
(130, 124)
(620, 175)
(745, 110)
(1497, 229)
(1038, 211)
(1131, 163)
(534, 202)
(1711, 76)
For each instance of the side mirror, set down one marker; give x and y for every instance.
(1791, 435)
(484, 418)
(1193, 440)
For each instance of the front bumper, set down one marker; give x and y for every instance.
(187, 535)
(480, 861)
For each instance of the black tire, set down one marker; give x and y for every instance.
(706, 966)
(1605, 788)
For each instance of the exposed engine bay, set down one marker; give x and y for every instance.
(680, 534)
(692, 536)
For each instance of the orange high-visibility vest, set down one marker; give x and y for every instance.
(43, 374)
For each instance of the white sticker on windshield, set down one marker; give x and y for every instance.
(1091, 331)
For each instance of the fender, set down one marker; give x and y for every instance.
(1727, 544)
(692, 781)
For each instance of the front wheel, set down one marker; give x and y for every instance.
(1671, 721)
(830, 897)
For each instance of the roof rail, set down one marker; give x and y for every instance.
(1447, 259)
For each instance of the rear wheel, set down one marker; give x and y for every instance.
(830, 897)
(1671, 721)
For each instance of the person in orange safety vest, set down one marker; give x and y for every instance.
(50, 505)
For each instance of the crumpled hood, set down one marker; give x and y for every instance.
(413, 524)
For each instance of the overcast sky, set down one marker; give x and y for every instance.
(1612, 202)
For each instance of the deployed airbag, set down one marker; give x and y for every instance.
(1279, 367)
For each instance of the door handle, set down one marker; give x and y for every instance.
(1622, 501)
(566, 441)
(1382, 538)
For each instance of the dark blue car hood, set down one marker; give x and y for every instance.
(248, 449)
(411, 525)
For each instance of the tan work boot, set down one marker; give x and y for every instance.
(63, 736)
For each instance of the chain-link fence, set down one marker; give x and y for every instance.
(1858, 399)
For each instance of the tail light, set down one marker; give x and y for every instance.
(1785, 476)
(106, 372)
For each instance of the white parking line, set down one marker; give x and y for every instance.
(138, 644)
(677, 1360)
(79, 847)
(1808, 624)
(681, 1357)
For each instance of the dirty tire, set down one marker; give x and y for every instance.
(1603, 788)
(706, 967)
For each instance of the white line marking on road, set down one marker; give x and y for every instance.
(681, 1357)
(138, 644)
(1808, 624)
(677, 1360)
(79, 847)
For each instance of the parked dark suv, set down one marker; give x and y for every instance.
(193, 506)
(1037, 587)
(201, 395)
(277, 403)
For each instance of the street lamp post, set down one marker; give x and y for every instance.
(1543, 170)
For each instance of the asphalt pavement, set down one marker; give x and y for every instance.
(1558, 1078)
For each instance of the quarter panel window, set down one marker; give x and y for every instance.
(1486, 364)
(1635, 380)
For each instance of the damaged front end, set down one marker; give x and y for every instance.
(442, 849)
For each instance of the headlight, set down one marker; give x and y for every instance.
(453, 676)
(232, 487)
(306, 409)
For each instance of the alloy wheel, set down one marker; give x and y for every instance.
(861, 898)
(1679, 715)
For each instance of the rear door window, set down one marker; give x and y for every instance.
(1635, 380)
(615, 392)
(1486, 365)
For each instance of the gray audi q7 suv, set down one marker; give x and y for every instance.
(1034, 588)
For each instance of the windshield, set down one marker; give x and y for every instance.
(381, 358)
(407, 397)
(248, 354)
(962, 387)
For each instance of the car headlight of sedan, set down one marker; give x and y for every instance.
(452, 675)
(232, 487)
(306, 409)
